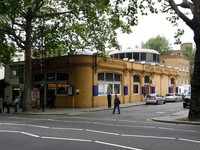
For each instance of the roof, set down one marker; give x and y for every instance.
(134, 51)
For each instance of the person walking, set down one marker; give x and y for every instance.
(116, 104)
(7, 103)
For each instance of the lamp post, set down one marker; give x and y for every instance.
(150, 79)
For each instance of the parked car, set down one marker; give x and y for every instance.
(173, 97)
(186, 101)
(170, 97)
(154, 98)
(179, 97)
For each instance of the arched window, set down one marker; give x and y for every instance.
(136, 84)
(172, 81)
(109, 83)
(147, 79)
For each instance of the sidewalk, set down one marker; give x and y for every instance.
(76, 111)
(179, 118)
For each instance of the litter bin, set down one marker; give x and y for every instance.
(109, 98)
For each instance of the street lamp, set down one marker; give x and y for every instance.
(150, 79)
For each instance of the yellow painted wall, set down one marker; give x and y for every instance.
(83, 75)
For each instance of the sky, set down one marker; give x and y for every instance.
(152, 25)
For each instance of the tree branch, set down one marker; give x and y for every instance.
(188, 5)
(174, 6)
(15, 38)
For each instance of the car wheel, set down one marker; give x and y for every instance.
(156, 103)
(164, 102)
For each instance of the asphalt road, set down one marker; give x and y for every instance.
(132, 129)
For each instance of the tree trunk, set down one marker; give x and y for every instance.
(26, 103)
(194, 113)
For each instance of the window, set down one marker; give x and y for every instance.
(109, 83)
(101, 76)
(143, 56)
(117, 88)
(121, 56)
(136, 89)
(116, 56)
(62, 76)
(50, 76)
(146, 79)
(14, 72)
(172, 81)
(50, 79)
(136, 56)
(149, 57)
(109, 76)
(129, 55)
(136, 78)
(136, 84)
(62, 88)
(117, 77)
(154, 58)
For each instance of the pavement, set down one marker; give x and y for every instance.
(178, 118)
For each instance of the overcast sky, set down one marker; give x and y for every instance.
(152, 25)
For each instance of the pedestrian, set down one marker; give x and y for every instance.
(16, 102)
(42, 104)
(53, 99)
(1, 104)
(116, 104)
(109, 99)
(7, 103)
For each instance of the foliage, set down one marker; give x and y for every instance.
(54, 27)
(159, 43)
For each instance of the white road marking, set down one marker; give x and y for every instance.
(90, 118)
(14, 124)
(37, 126)
(57, 128)
(107, 124)
(160, 112)
(177, 129)
(28, 118)
(188, 140)
(146, 136)
(33, 135)
(103, 132)
(116, 145)
(68, 139)
(127, 121)
(8, 131)
(132, 126)
(69, 121)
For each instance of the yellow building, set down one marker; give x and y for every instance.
(183, 66)
(84, 81)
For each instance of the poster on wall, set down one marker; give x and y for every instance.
(35, 94)
(70, 91)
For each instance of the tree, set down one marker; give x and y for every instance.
(189, 12)
(189, 53)
(59, 26)
(159, 43)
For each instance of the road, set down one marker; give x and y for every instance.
(133, 129)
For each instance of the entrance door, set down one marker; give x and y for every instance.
(15, 93)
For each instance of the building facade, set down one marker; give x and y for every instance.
(84, 81)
